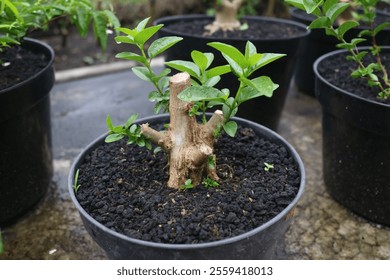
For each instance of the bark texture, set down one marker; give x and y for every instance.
(225, 17)
(189, 145)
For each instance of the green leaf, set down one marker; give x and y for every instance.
(8, 40)
(235, 68)
(162, 44)
(125, 39)
(347, 46)
(13, 9)
(82, 21)
(229, 109)
(127, 31)
(145, 34)
(230, 128)
(331, 32)
(357, 41)
(320, 22)
(250, 50)
(141, 26)
(99, 28)
(113, 137)
(185, 66)
(218, 71)
(141, 142)
(358, 57)
(131, 120)
(261, 86)
(200, 59)
(112, 19)
(133, 129)
(163, 82)
(230, 51)
(109, 124)
(210, 59)
(202, 93)
(296, 3)
(311, 6)
(254, 59)
(335, 10)
(346, 26)
(212, 81)
(154, 96)
(164, 73)
(365, 33)
(143, 73)
(380, 27)
(266, 59)
(356, 74)
(328, 4)
(131, 56)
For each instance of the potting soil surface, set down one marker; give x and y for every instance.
(124, 188)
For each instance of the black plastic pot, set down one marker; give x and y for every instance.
(356, 149)
(25, 141)
(266, 111)
(260, 243)
(317, 44)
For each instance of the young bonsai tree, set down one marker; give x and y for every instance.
(225, 16)
(328, 12)
(187, 95)
(18, 17)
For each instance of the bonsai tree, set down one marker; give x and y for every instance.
(20, 17)
(225, 16)
(327, 12)
(186, 96)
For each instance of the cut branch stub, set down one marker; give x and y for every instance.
(188, 144)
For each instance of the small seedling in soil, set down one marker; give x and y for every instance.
(268, 167)
(76, 185)
(210, 183)
(187, 185)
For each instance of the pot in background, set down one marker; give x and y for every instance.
(266, 111)
(25, 143)
(356, 148)
(318, 43)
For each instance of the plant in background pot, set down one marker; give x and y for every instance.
(269, 35)
(353, 88)
(27, 76)
(1, 243)
(209, 195)
(319, 43)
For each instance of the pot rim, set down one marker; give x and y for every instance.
(163, 20)
(51, 57)
(350, 94)
(282, 214)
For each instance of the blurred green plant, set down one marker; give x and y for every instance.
(1, 243)
(20, 17)
(328, 15)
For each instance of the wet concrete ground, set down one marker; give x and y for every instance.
(321, 229)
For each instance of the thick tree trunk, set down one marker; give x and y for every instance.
(225, 17)
(189, 145)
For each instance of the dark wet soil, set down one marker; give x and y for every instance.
(124, 188)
